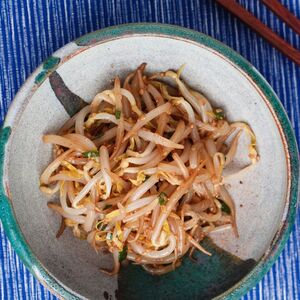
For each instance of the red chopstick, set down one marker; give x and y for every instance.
(274, 39)
(284, 14)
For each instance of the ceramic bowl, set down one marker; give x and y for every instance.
(265, 195)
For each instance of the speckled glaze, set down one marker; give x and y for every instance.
(266, 201)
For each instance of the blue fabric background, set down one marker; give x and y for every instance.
(30, 30)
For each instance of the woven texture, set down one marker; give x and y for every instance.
(31, 30)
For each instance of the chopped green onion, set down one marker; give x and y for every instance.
(89, 154)
(123, 254)
(102, 226)
(118, 114)
(162, 198)
(109, 236)
(219, 114)
(107, 206)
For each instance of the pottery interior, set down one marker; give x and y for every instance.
(260, 193)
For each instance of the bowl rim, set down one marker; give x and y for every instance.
(8, 218)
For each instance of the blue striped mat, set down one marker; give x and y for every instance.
(30, 30)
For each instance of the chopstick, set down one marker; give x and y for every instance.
(274, 39)
(284, 14)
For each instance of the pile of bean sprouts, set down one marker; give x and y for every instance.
(139, 171)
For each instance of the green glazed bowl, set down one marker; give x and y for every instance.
(265, 196)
